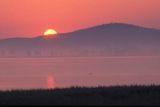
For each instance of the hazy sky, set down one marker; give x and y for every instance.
(29, 18)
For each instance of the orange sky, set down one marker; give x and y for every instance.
(29, 18)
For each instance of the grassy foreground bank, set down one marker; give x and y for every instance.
(118, 95)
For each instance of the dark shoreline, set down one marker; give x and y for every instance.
(117, 95)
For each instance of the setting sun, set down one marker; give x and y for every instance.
(50, 33)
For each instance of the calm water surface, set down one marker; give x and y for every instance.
(33, 73)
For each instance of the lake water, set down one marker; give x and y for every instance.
(33, 73)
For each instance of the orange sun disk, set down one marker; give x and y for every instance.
(49, 33)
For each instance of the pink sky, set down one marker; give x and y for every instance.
(29, 18)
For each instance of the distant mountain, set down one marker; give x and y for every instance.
(115, 39)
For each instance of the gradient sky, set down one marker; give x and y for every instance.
(29, 18)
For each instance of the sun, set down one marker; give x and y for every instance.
(50, 33)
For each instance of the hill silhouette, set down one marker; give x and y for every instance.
(114, 39)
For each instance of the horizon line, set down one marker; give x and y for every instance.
(85, 28)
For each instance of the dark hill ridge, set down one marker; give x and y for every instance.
(115, 39)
